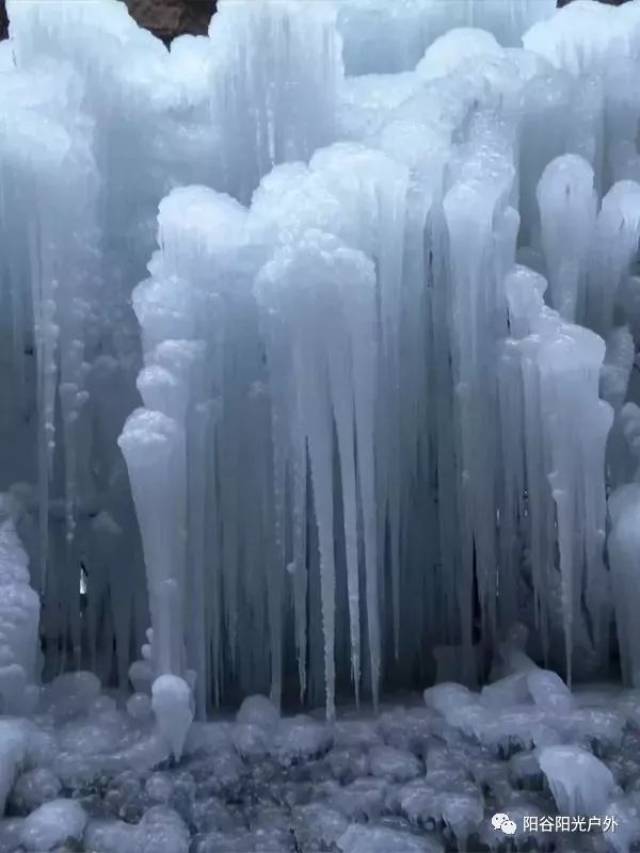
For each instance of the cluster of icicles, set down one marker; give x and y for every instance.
(376, 396)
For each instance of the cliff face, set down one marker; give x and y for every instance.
(4, 23)
(170, 18)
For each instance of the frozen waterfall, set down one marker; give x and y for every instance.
(319, 380)
(355, 429)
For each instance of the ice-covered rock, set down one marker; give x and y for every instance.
(159, 788)
(380, 839)
(162, 830)
(443, 697)
(139, 707)
(395, 765)
(34, 788)
(52, 824)
(72, 694)
(258, 711)
(251, 741)
(363, 799)
(580, 783)
(300, 738)
(111, 836)
(317, 826)
(548, 690)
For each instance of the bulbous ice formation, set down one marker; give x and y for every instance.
(172, 704)
(19, 622)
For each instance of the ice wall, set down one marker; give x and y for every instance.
(19, 622)
(318, 339)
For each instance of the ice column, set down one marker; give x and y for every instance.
(567, 201)
(323, 296)
(560, 366)
(19, 622)
(153, 446)
(624, 557)
(275, 86)
(614, 248)
(480, 231)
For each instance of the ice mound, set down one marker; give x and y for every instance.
(34, 788)
(160, 829)
(258, 711)
(52, 824)
(363, 839)
(580, 783)
(300, 738)
(395, 765)
(457, 46)
(71, 694)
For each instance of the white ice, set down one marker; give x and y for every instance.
(318, 343)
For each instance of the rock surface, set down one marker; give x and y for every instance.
(170, 18)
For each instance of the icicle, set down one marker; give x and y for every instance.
(614, 248)
(153, 446)
(567, 211)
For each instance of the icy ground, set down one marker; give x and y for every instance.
(87, 773)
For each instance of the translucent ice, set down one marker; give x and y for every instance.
(580, 783)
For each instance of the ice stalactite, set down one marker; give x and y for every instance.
(478, 217)
(153, 445)
(560, 361)
(567, 201)
(274, 86)
(49, 192)
(318, 278)
(623, 545)
(614, 248)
